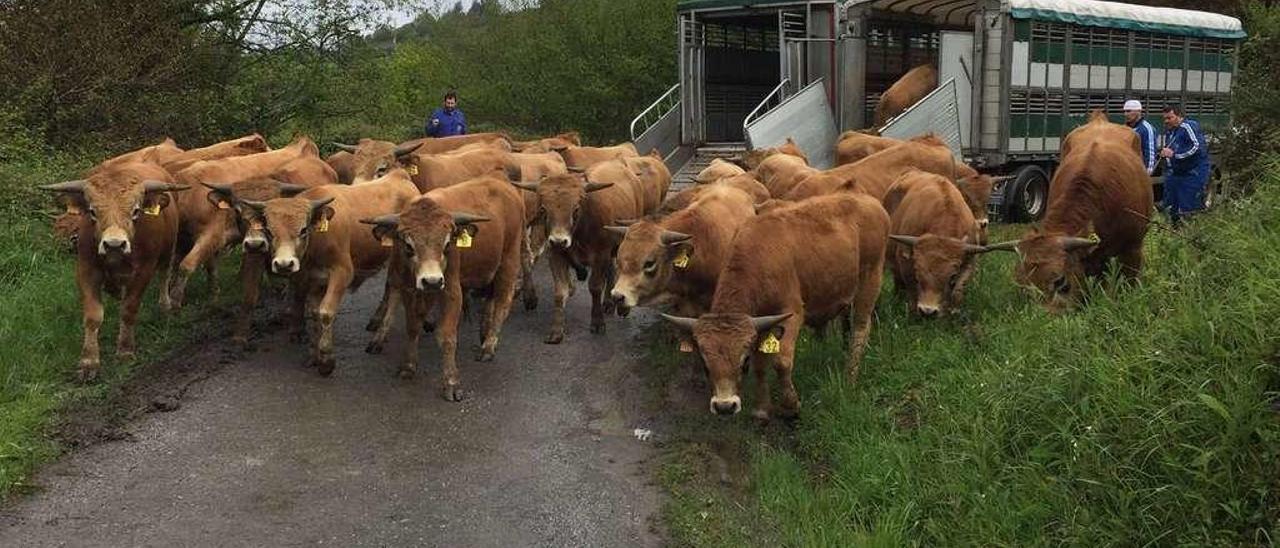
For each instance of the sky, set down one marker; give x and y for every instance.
(398, 17)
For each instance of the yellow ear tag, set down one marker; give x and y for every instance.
(152, 210)
(464, 239)
(322, 225)
(73, 209)
(412, 169)
(222, 204)
(771, 344)
(387, 241)
(682, 260)
(685, 347)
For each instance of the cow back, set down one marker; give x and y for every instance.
(348, 239)
(908, 90)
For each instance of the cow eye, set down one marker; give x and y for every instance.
(650, 267)
(382, 170)
(1061, 285)
(137, 210)
(305, 229)
(93, 213)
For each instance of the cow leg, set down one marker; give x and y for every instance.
(1131, 263)
(764, 402)
(339, 278)
(504, 293)
(415, 308)
(390, 298)
(563, 286)
(211, 271)
(597, 283)
(126, 345)
(962, 280)
(611, 276)
(90, 284)
(251, 268)
(447, 338)
(301, 294)
(864, 305)
(379, 318)
(204, 250)
(528, 291)
(169, 260)
(784, 363)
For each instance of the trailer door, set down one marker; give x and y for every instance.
(955, 62)
(692, 78)
(804, 117)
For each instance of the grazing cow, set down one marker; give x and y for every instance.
(127, 233)
(532, 167)
(1102, 188)
(254, 261)
(935, 239)
(654, 177)
(584, 157)
(211, 225)
(676, 261)
(907, 91)
(575, 208)
(856, 145)
(344, 165)
(372, 159)
(805, 263)
(745, 182)
(548, 144)
(752, 158)
(315, 239)
(432, 171)
(467, 237)
(440, 145)
(716, 170)
(873, 174)
(780, 173)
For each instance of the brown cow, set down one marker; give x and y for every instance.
(254, 261)
(676, 261)
(159, 153)
(719, 168)
(548, 144)
(128, 232)
(856, 145)
(371, 159)
(907, 91)
(532, 167)
(575, 208)
(441, 252)
(654, 176)
(745, 182)
(432, 171)
(752, 158)
(584, 157)
(935, 239)
(315, 239)
(440, 145)
(805, 263)
(243, 146)
(1100, 187)
(780, 173)
(873, 175)
(211, 225)
(344, 165)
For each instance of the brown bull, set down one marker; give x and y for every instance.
(127, 233)
(371, 159)
(432, 171)
(907, 91)
(856, 145)
(935, 241)
(548, 144)
(806, 263)
(676, 261)
(575, 210)
(584, 157)
(211, 225)
(440, 145)
(253, 264)
(1100, 187)
(315, 238)
(716, 170)
(450, 240)
(745, 182)
(532, 167)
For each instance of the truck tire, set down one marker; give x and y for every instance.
(1028, 197)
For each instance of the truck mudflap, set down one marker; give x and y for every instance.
(937, 113)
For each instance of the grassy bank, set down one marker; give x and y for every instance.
(1145, 418)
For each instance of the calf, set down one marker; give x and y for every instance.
(532, 167)
(127, 233)
(800, 264)
(575, 208)
(464, 237)
(934, 241)
(371, 159)
(315, 239)
(432, 171)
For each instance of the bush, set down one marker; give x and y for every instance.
(1255, 105)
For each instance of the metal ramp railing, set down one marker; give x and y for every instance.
(651, 115)
(773, 99)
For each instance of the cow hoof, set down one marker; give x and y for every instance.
(428, 327)
(485, 356)
(88, 371)
(126, 355)
(374, 347)
(406, 373)
(373, 325)
(452, 393)
(597, 328)
(608, 307)
(325, 366)
(554, 338)
(531, 303)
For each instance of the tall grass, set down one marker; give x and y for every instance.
(1145, 418)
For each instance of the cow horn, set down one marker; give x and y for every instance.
(626, 222)
(592, 186)
(672, 237)
(619, 230)
(576, 169)
(68, 186)
(390, 219)
(1003, 178)
(762, 323)
(970, 248)
(905, 240)
(462, 218)
(256, 205)
(344, 147)
(1071, 242)
(1011, 245)
(152, 185)
(317, 204)
(680, 321)
(401, 150)
(531, 187)
(289, 189)
(224, 188)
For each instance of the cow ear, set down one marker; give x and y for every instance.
(470, 228)
(219, 197)
(381, 232)
(323, 212)
(156, 199)
(74, 202)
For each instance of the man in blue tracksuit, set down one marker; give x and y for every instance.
(1146, 132)
(1188, 156)
(447, 120)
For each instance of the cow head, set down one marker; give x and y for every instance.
(423, 235)
(249, 221)
(1052, 264)
(938, 263)
(726, 342)
(373, 159)
(977, 192)
(563, 197)
(287, 225)
(647, 257)
(114, 201)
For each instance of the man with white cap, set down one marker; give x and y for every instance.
(1146, 132)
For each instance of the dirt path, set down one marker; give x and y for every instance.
(267, 453)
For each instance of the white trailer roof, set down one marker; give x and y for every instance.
(1092, 13)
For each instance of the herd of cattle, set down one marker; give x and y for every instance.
(761, 246)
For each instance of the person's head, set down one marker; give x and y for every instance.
(450, 100)
(1173, 116)
(1132, 111)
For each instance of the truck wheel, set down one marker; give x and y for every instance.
(1028, 196)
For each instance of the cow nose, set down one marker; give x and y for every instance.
(928, 311)
(284, 266)
(430, 282)
(115, 244)
(982, 223)
(560, 241)
(727, 407)
(618, 297)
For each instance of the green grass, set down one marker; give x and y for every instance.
(1142, 419)
(40, 333)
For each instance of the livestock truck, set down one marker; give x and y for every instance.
(1015, 76)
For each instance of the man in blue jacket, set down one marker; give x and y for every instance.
(1188, 173)
(1146, 132)
(447, 120)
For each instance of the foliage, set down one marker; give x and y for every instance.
(1255, 105)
